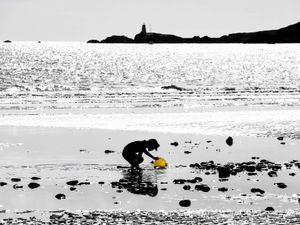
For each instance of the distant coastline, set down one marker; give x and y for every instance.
(289, 34)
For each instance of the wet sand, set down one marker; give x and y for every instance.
(45, 170)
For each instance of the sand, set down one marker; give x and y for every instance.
(68, 161)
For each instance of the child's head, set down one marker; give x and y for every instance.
(152, 144)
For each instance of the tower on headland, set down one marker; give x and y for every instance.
(144, 31)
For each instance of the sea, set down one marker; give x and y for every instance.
(237, 89)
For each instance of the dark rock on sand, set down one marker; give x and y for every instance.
(250, 168)
(202, 187)
(187, 152)
(93, 41)
(272, 174)
(223, 172)
(281, 185)
(84, 183)
(16, 186)
(229, 141)
(185, 203)
(2, 184)
(60, 196)
(198, 179)
(257, 190)
(101, 182)
(292, 174)
(280, 138)
(15, 179)
(108, 151)
(270, 209)
(186, 187)
(175, 143)
(223, 189)
(7, 41)
(73, 182)
(283, 143)
(251, 174)
(33, 185)
(35, 178)
(72, 188)
(179, 181)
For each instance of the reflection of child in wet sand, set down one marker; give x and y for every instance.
(133, 151)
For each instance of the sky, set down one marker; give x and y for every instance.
(81, 20)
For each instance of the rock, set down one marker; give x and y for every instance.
(257, 190)
(223, 189)
(198, 179)
(33, 185)
(281, 185)
(185, 203)
(175, 143)
(73, 182)
(60, 196)
(84, 183)
(186, 187)
(2, 184)
(251, 174)
(35, 178)
(272, 174)
(117, 39)
(280, 138)
(224, 172)
(16, 186)
(292, 174)
(270, 209)
(250, 168)
(202, 187)
(72, 188)
(93, 41)
(229, 141)
(283, 143)
(108, 151)
(187, 152)
(179, 181)
(15, 179)
(7, 41)
(101, 182)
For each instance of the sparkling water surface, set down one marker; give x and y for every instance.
(195, 86)
(65, 75)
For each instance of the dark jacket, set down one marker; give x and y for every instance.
(136, 148)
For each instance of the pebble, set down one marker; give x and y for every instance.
(73, 182)
(175, 143)
(229, 141)
(15, 179)
(202, 187)
(185, 203)
(60, 196)
(108, 151)
(33, 185)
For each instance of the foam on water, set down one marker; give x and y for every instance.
(252, 123)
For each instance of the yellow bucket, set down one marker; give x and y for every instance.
(160, 163)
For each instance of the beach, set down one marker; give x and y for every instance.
(232, 150)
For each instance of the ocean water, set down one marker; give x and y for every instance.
(197, 84)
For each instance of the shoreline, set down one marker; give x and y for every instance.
(150, 217)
